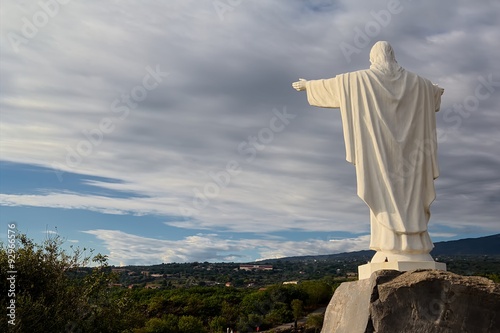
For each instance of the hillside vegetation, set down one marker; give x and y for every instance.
(56, 291)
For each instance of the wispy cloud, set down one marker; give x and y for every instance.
(130, 249)
(290, 212)
(443, 234)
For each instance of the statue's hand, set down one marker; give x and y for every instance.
(299, 85)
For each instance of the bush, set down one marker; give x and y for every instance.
(54, 293)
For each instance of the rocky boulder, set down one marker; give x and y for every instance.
(422, 301)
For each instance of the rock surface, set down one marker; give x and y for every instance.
(422, 301)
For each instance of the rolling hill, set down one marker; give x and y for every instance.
(488, 245)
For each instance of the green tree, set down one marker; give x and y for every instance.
(250, 322)
(218, 324)
(172, 321)
(256, 303)
(278, 315)
(315, 321)
(318, 292)
(191, 324)
(297, 310)
(230, 312)
(254, 321)
(285, 293)
(156, 305)
(168, 324)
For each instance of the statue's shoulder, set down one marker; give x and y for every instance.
(360, 72)
(418, 77)
(422, 81)
(354, 74)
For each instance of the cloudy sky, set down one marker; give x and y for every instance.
(168, 131)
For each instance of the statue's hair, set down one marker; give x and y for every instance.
(382, 58)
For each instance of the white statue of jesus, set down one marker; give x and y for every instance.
(389, 124)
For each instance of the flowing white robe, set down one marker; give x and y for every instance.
(389, 127)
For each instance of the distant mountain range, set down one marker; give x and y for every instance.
(488, 245)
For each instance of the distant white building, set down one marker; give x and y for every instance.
(291, 282)
(157, 275)
(256, 267)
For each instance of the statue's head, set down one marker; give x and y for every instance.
(382, 57)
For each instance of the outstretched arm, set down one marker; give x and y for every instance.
(300, 85)
(322, 93)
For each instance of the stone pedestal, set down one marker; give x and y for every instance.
(422, 301)
(365, 271)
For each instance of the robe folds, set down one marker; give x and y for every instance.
(389, 126)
